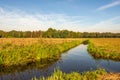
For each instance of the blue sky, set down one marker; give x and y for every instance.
(76, 15)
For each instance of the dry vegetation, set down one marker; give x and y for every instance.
(19, 41)
(108, 48)
(29, 41)
(109, 45)
(110, 76)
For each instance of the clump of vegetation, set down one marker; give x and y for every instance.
(19, 54)
(89, 75)
(105, 48)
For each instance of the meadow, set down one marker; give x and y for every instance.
(22, 51)
(107, 48)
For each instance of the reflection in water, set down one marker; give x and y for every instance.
(76, 59)
(28, 71)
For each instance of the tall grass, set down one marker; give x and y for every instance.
(59, 75)
(12, 54)
(105, 48)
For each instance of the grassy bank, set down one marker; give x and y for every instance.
(21, 53)
(105, 48)
(89, 75)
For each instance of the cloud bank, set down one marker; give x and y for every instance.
(110, 25)
(22, 21)
(18, 20)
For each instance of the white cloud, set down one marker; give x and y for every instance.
(1, 10)
(110, 25)
(18, 20)
(115, 3)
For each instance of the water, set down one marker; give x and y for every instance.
(76, 59)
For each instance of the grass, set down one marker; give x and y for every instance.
(59, 75)
(105, 48)
(110, 76)
(24, 51)
(42, 64)
(20, 52)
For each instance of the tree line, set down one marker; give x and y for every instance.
(53, 33)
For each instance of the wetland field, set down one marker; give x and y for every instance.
(59, 58)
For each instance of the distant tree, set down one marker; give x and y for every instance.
(53, 33)
(0, 35)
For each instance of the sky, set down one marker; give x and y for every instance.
(75, 15)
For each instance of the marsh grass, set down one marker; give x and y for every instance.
(59, 75)
(105, 48)
(42, 64)
(21, 53)
(27, 51)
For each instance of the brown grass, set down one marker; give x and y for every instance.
(110, 76)
(29, 41)
(109, 45)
